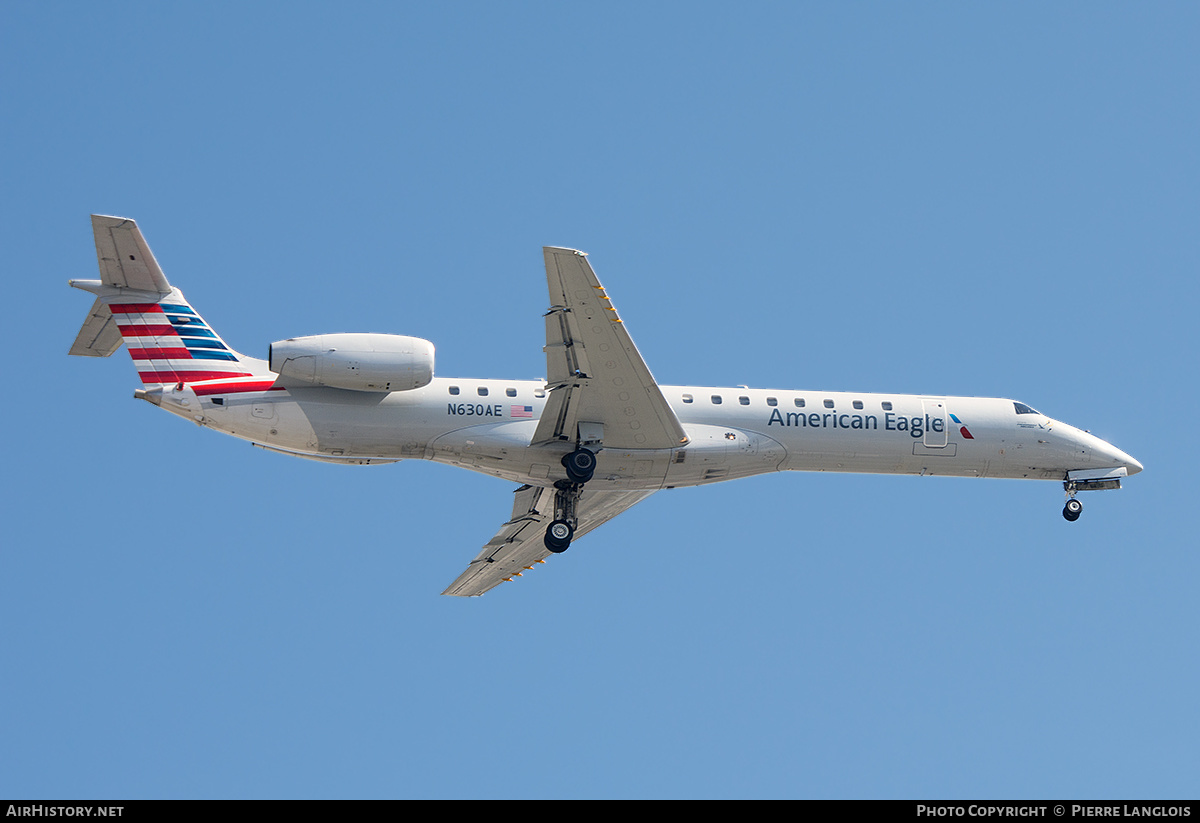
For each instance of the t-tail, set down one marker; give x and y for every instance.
(168, 340)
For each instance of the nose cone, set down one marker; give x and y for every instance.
(1099, 453)
(1131, 465)
(1111, 455)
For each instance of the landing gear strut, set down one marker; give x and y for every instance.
(1074, 508)
(580, 465)
(562, 529)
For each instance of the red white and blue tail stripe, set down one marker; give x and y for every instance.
(170, 343)
(168, 340)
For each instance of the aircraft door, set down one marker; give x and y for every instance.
(935, 423)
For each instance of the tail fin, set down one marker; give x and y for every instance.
(167, 339)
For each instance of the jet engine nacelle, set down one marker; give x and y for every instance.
(361, 362)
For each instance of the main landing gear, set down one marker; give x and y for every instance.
(561, 530)
(580, 465)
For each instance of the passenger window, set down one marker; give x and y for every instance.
(454, 389)
(857, 404)
(887, 405)
(511, 392)
(771, 401)
(539, 392)
(687, 398)
(799, 402)
(716, 399)
(829, 404)
(744, 400)
(482, 391)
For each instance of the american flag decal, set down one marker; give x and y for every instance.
(521, 411)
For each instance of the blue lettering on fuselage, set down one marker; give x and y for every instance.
(913, 426)
(826, 420)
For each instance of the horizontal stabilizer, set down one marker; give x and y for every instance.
(99, 336)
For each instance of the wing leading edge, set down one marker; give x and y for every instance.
(518, 544)
(594, 372)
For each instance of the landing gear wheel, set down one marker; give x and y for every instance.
(558, 536)
(1072, 510)
(580, 465)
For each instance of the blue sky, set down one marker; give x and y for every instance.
(943, 198)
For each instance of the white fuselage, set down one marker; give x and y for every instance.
(594, 438)
(487, 426)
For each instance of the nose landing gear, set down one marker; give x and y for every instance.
(1084, 480)
(1072, 510)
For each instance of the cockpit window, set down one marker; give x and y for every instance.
(1023, 409)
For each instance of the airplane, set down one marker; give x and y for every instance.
(596, 437)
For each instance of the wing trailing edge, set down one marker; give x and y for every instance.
(594, 372)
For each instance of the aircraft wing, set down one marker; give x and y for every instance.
(594, 372)
(518, 545)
